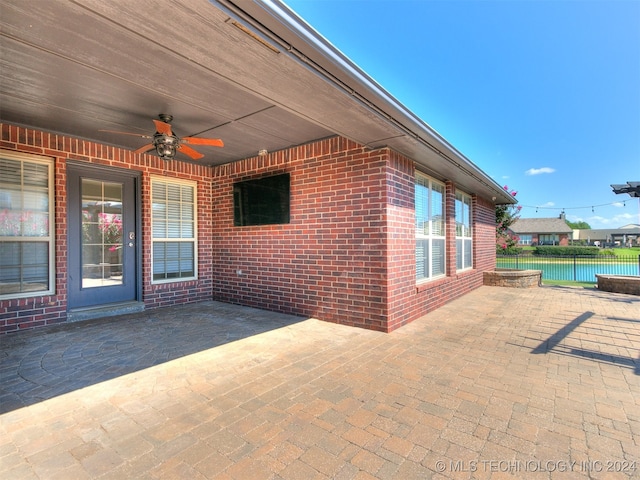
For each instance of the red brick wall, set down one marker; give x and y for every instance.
(408, 300)
(401, 239)
(329, 261)
(50, 309)
(484, 234)
(347, 255)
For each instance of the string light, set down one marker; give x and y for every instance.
(592, 207)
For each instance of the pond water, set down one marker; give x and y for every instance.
(571, 270)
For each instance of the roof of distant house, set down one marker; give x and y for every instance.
(540, 225)
(606, 234)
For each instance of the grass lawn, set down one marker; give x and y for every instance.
(627, 252)
(633, 252)
(568, 283)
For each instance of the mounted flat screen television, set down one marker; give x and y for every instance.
(262, 201)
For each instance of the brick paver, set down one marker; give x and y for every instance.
(502, 383)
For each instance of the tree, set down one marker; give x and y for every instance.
(505, 216)
(579, 225)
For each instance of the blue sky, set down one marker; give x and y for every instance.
(544, 96)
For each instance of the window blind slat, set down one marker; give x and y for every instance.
(25, 202)
(463, 231)
(430, 227)
(437, 210)
(11, 171)
(159, 229)
(422, 209)
(422, 258)
(174, 218)
(437, 257)
(173, 193)
(187, 194)
(159, 191)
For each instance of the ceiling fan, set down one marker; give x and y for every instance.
(166, 143)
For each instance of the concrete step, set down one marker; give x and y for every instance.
(110, 310)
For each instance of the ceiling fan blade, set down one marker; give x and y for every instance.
(144, 149)
(142, 135)
(162, 127)
(214, 142)
(190, 152)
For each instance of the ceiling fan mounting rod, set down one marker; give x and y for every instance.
(165, 117)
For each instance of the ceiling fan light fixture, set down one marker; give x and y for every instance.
(166, 146)
(166, 151)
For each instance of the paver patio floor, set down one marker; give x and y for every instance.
(501, 383)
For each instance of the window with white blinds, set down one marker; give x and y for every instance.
(430, 228)
(464, 241)
(174, 230)
(26, 225)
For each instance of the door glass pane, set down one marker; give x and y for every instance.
(101, 233)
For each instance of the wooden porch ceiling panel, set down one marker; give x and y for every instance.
(79, 66)
(105, 76)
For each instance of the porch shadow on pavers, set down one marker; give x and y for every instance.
(41, 364)
(554, 344)
(553, 341)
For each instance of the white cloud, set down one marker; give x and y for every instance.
(618, 204)
(624, 217)
(597, 221)
(548, 204)
(538, 171)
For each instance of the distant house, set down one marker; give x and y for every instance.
(542, 231)
(628, 235)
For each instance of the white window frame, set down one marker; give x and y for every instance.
(464, 231)
(50, 238)
(431, 231)
(525, 239)
(545, 238)
(169, 239)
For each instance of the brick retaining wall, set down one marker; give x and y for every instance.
(513, 278)
(619, 284)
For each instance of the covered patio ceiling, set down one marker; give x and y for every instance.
(249, 72)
